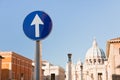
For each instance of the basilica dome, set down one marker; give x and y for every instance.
(95, 54)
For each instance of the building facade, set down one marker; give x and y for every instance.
(52, 72)
(94, 67)
(113, 55)
(1, 66)
(95, 64)
(16, 67)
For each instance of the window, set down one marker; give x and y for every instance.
(87, 61)
(90, 60)
(99, 76)
(43, 64)
(119, 51)
(103, 61)
(13, 75)
(99, 61)
(52, 76)
(94, 61)
(13, 60)
(92, 76)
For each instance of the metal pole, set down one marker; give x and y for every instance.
(37, 61)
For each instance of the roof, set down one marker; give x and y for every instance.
(95, 52)
(6, 53)
(114, 40)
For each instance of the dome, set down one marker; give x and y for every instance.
(95, 52)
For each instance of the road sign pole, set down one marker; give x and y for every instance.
(37, 25)
(38, 60)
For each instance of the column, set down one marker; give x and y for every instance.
(69, 67)
(81, 67)
(95, 73)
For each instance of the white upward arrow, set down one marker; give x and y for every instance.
(36, 21)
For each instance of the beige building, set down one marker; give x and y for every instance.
(52, 72)
(113, 55)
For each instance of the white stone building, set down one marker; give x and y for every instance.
(52, 72)
(94, 67)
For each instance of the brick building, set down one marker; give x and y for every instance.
(15, 67)
(0, 66)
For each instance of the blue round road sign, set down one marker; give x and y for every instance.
(37, 25)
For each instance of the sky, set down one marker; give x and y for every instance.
(75, 24)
